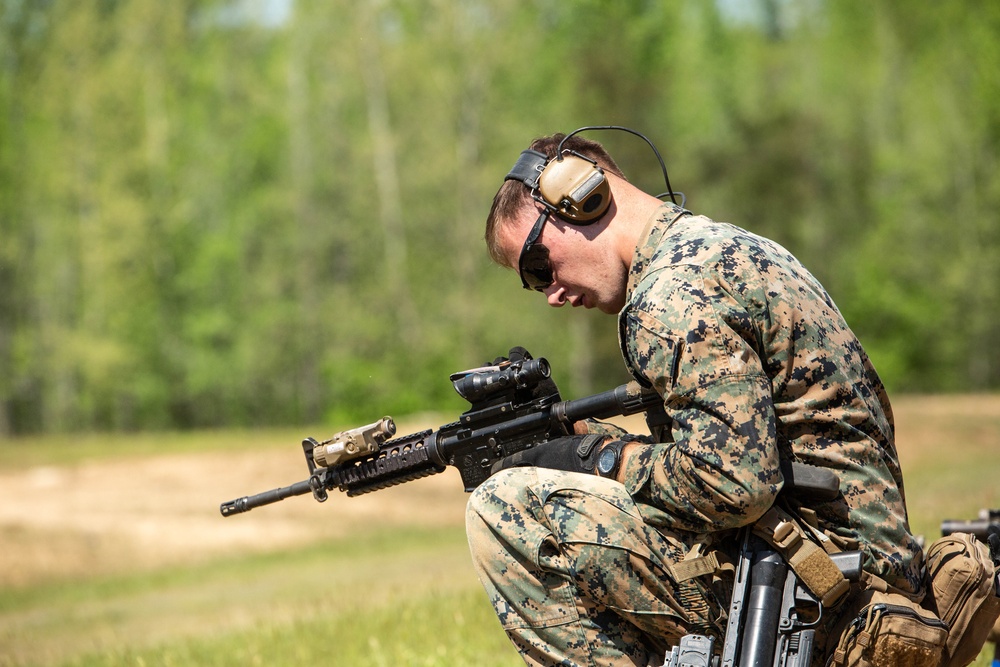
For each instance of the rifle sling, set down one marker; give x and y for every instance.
(813, 565)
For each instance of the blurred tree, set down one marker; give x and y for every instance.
(215, 214)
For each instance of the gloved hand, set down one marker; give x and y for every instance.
(573, 453)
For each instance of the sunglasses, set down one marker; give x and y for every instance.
(533, 263)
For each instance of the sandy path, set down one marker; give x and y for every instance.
(117, 515)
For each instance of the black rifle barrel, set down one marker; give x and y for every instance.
(980, 528)
(247, 503)
(626, 399)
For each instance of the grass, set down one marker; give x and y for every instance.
(434, 629)
(400, 597)
(385, 592)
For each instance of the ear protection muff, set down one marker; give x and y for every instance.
(574, 187)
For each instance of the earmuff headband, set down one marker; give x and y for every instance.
(528, 168)
(573, 186)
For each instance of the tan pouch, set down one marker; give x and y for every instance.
(892, 631)
(963, 594)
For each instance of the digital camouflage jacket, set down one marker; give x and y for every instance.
(755, 363)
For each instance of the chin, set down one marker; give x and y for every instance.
(612, 308)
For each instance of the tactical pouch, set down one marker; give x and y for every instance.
(892, 631)
(963, 594)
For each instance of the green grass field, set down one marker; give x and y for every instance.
(386, 599)
(112, 551)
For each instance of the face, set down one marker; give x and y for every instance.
(585, 269)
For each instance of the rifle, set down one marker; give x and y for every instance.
(772, 615)
(979, 527)
(514, 406)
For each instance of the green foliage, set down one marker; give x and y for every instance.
(209, 219)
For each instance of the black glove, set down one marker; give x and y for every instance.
(573, 453)
(516, 354)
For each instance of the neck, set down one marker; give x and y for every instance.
(634, 209)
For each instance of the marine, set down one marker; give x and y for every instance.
(584, 543)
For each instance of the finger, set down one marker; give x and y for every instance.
(515, 460)
(519, 354)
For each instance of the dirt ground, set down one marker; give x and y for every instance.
(112, 516)
(139, 513)
(107, 516)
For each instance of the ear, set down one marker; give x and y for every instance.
(571, 184)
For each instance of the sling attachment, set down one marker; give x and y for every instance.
(690, 573)
(813, 565)
(700, 561)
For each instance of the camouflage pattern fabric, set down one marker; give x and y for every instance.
(755, 363)
(577, 577)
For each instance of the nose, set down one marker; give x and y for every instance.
(556, 296)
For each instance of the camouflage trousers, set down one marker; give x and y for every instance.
(576, 576)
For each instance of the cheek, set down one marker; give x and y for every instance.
(591, 261)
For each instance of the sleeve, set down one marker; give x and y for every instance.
(598, 427)
(689, 338)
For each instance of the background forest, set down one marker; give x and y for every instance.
(270, 212)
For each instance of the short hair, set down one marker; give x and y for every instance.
(513, 194)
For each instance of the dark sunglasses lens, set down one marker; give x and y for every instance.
(536, 272)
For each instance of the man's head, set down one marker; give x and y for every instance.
(514, 196)
(583, 263)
